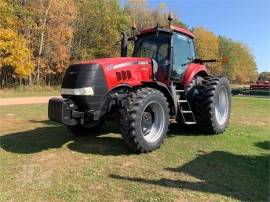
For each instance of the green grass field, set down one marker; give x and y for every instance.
(41, 161)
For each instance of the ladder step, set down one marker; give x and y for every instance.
(190, 122)
(182, 101)
(180, 91)
(186, 112)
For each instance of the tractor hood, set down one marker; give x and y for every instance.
(88, 83)
(124, 70)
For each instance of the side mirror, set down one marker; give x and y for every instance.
(124, 45)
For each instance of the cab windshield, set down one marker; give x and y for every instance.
(153, 46)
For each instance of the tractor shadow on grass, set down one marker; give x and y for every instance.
(52, 136)
(108, 141)
(263, 145)
(183, 130)
(245, 178)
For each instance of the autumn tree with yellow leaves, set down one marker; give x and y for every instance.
(40, 38)
(146, 17)
(241, 66)
(207, 47)
(15, 55)
(52, 33)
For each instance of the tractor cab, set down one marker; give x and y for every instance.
(171, 48)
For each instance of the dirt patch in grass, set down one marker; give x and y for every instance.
(43, 168)
(24, 100)
(7, 123)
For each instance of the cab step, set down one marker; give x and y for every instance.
(180, 91)
(184, 108)
(182, 101)
(186, 112)
(190, 122)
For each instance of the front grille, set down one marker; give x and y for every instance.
(86, 75)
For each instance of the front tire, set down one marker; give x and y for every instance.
(211, 103)
(145, 120)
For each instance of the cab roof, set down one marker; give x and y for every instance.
(171, 29)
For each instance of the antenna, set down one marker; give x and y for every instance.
(134, 28)
(170, 19)
(157, 29)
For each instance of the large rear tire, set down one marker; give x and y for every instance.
(210, 100)
(145, 120)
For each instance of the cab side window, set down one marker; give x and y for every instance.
(183, 52)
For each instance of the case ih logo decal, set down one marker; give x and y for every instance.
(126, 64)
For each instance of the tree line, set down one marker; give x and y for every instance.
(40, 38)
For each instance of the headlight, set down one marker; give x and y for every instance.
(77, 91)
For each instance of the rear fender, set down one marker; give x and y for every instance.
(193, 70)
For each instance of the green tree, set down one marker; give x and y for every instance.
(227, 49)
(98, 27)
(141, 13)
(241, 66)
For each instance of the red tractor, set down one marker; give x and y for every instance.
(162, 81)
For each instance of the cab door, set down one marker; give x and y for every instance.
(182, 54)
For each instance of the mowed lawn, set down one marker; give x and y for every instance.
(42, 161)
